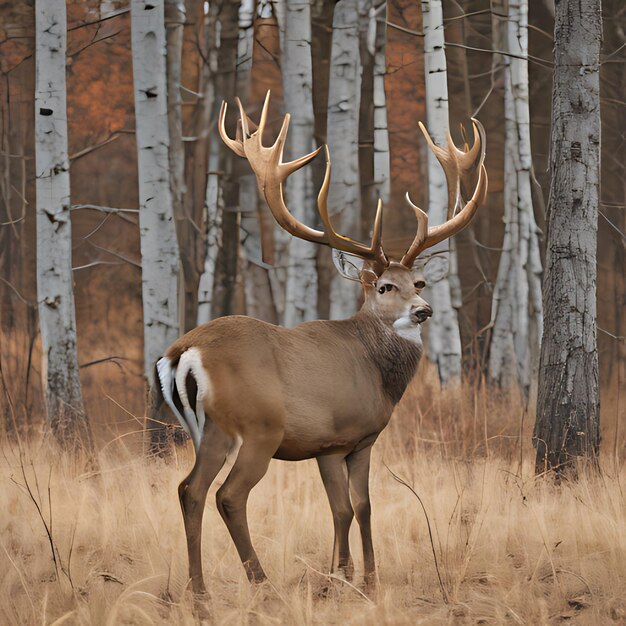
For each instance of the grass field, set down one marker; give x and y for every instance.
(507, 547)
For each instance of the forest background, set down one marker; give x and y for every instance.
(104, 174)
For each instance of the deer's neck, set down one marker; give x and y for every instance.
(394, 352)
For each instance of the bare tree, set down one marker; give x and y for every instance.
(159, 247)
(228, 269)
(57, 318)
(517, 316)
(213, 202)
(568, 417)
(175, 14)
(444, 338)
(382, 174)
(344, 93)
(297, 75)
(259, 298)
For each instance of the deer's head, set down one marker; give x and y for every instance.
(391, 287)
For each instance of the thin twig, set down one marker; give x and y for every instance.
(110, 16)
(444, 592)
(538, 60)
(335, 577)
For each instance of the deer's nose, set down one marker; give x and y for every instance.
(421, 313)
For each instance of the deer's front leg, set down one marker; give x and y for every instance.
(358, 464)
(335, 478)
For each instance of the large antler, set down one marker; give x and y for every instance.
(459, 167)
(271, 174)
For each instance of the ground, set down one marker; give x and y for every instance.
(509, 547)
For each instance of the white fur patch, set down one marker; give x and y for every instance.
(406, 328)
(167, 377)
(191, 363)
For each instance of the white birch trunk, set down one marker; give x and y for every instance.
(214, 206)
(160, 273)
(381, 134)
(344, 93)
(297, 75)
(213, 200)
(55, 296)
(517, 309)
(174, 11)
(258, 290)
(444, 338)
(259, 300)
(244, 48)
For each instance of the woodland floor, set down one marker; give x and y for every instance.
(509, 547)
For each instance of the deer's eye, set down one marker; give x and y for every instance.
(419, 284)
(385, 288)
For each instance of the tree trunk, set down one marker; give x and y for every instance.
(517, 310)
(258, 292)
(568, 416)
(444, 338)
(227, 270)
(297, 75)
(174, 27)
(344, 93)
(381, 134)
(57, 319)
(160, 260)
(213, 204)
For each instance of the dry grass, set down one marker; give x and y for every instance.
(510, 548)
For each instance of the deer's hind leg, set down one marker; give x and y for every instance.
(192, 493)
(232, 497)
(335, 478)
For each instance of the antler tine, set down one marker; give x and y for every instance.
(264, 111)
(377, 237)
(373, 252)
(271, 173)
(244, 121)
(459, 221)
(286, 169)
(422, 232)
(235, 145)
(447, 159)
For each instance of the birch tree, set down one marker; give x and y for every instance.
(381, 135)
(517, 311)
(297, 75)
(57, 319)
(174, 29)
(228, 269)
(160, 259)
(568, 416)
(344, 92)
(258, 292)
(444, 338)
(213, 203)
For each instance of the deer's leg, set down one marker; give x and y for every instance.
(358, 475)
(232, 497)
(192, 495)
(335, 478)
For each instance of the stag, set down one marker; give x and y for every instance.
(324, 389)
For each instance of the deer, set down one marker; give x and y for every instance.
(324, 389)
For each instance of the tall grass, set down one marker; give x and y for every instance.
(107, 546)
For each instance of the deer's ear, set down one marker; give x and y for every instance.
(348, 265)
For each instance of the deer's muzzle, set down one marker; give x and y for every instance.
(421, 313)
